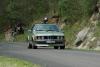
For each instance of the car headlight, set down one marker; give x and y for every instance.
(60, 37)
(34, 37)
(39, 37)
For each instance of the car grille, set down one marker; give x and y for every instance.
(50, 37)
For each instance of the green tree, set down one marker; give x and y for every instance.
(70, 9)
(75, 10)
(25, 10)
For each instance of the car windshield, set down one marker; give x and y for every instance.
(45, 27)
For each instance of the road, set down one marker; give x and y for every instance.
(49, 57)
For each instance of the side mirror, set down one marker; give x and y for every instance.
(62, 31)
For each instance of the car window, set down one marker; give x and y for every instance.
(45, 28)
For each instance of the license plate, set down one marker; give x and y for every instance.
(50, 41)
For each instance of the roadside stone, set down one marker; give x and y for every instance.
(81, 36)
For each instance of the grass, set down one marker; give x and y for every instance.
(1, 37)
(17, 38)
(21, 37)
(97, 33)
(12, 62)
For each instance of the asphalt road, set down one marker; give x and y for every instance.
(49, 57)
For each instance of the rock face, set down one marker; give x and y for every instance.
(85, 39)
(81, 36)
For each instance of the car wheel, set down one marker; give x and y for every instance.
(30, 46)
(56, 47)
(34, 47)
(62, 47)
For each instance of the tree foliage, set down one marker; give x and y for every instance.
(24, 10)
(12, 11)
(75, 10)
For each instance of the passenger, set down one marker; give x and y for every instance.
(45, 21)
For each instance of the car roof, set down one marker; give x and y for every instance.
(45, 24)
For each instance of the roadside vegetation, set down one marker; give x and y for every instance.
(12, 62)
(2, 37)
(97, 33)
(71, 31)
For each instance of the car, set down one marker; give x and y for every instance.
(43, 35)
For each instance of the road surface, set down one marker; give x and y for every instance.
(49, 57)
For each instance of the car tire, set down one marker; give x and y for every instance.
(62, 47)
(30, 46)
(56, 47)
(34, 47)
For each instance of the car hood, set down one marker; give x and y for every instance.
(49, 33)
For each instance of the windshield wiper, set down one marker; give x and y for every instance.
(39, 30)
(44, 30)
(50, 30)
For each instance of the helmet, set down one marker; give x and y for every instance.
(45, 18)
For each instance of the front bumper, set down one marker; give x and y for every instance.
(50, 42)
